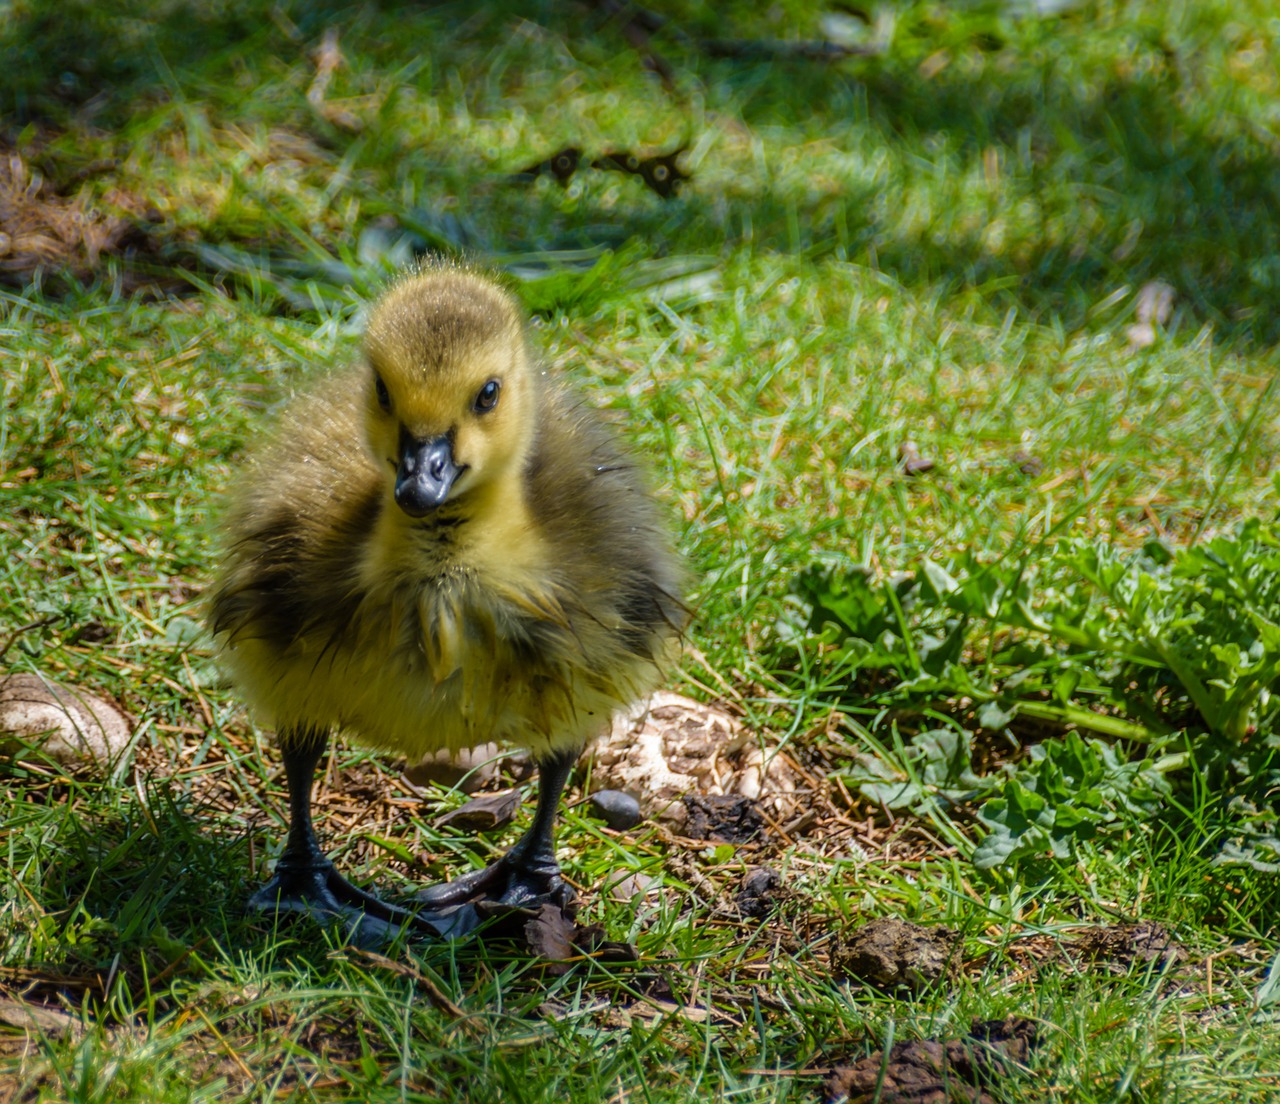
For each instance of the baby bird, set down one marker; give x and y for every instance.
(440, 547)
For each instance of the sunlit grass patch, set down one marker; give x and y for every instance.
(886, 321)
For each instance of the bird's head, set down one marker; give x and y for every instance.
(451, 398)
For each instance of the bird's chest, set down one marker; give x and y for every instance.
(468, 639)
(469, 657)
(465, 625)
(463, 598)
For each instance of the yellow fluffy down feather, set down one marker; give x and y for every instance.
(542, 593)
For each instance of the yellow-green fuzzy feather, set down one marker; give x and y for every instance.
(527, 610)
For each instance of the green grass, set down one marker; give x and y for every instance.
(939, 243)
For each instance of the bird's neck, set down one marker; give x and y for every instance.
(487, 533)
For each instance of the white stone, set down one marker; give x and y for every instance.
(670, 745)
(71, 726)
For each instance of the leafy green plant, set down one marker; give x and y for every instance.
(1070, 790)
(1175, 652)
(935, 768)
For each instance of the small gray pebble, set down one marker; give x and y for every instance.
(757, 898)
(617, 809)
(760, 881)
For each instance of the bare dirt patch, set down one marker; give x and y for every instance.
(724, 818)
(762, 893)
(894, 955)
(929, 1072)
(42, 230)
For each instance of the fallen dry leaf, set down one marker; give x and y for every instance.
(468, 769)
(1028, 463)
(912, 462)
(629, 886)
(41, 231)
(592, 941)
(550, 934)
(487, 813)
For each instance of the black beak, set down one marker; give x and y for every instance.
(425, 475)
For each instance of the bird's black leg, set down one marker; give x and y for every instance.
(305, 880)
(528, 874)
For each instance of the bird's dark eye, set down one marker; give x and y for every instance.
(384, 396)
(487, 397)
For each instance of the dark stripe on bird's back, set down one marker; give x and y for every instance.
(649, 613)
(285, 597)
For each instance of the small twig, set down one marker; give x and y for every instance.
(781, 831)
(187, 952)
(433, 992)
(726, 687)
(227, 1046)
(28, 627)
(765, 49)
(195, 686)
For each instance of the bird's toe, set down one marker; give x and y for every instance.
(505, 884)
(321, 893)
(475, 886)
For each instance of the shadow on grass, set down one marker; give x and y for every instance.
(1047, 162)
(97, 61)
(1047, 192)
(1120, 182)
(116, 881)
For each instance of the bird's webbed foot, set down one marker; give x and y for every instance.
(523, 878)
(526, 877)
(314, 888)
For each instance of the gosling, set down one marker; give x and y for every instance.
(440, 547)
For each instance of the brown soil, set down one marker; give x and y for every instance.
(725, 818)
(43, 231)
(928, 1072)
(892, 955)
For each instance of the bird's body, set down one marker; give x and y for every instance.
(423, 568)
(530, 624)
